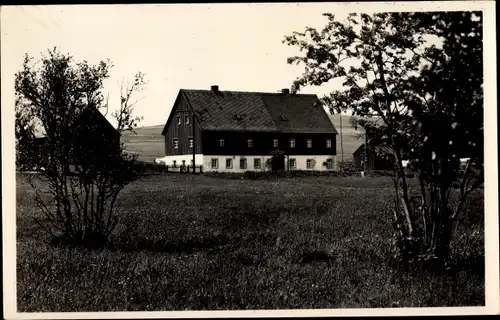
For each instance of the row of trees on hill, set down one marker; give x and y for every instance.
(422, 75)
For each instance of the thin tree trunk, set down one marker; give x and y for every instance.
(366, 152)
(341, 140)
(404, 188)
(423, 209)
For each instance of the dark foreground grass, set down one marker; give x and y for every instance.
(194, 243)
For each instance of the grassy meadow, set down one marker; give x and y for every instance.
(146, 142)
(193, 242)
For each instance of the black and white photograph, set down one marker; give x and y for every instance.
(249, 159)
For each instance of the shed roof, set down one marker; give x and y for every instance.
(378, 149)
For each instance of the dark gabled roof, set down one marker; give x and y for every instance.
(377, 149)
(258, 111)
(91, 114)
(92, 117)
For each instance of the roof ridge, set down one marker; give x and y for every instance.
(252, 92)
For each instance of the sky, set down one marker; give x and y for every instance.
(238, 47)
(191, 46)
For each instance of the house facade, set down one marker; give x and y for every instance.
(228, 131)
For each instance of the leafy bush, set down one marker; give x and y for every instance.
(85, 167)
(420, 102)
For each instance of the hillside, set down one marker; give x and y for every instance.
(148, 142)
(349, 136)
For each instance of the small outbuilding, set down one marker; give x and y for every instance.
(378, 158)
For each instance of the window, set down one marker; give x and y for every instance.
(243, 163)
(175, 164)
(328, 143)
(229, 163)
(309, 143)
(309, 163)
(191, 142)
(256, 163)
(275, 143)
(292, 143)
(221, 142)
(293, 163)
(178, 120)
(186, 119)
(250, 143)
(329, 164)
(215, 163)
(176, 143)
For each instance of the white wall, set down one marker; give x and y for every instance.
(301, 163)
(169, 160)
(207, 163)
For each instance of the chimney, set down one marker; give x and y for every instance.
(285, 91)
(214, 88)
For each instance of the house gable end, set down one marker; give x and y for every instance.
(190, 108)
(93, 125)
(180, 137)
(102, 121)
(181, 104)
(175, 108)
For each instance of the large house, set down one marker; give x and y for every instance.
(249, 131)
